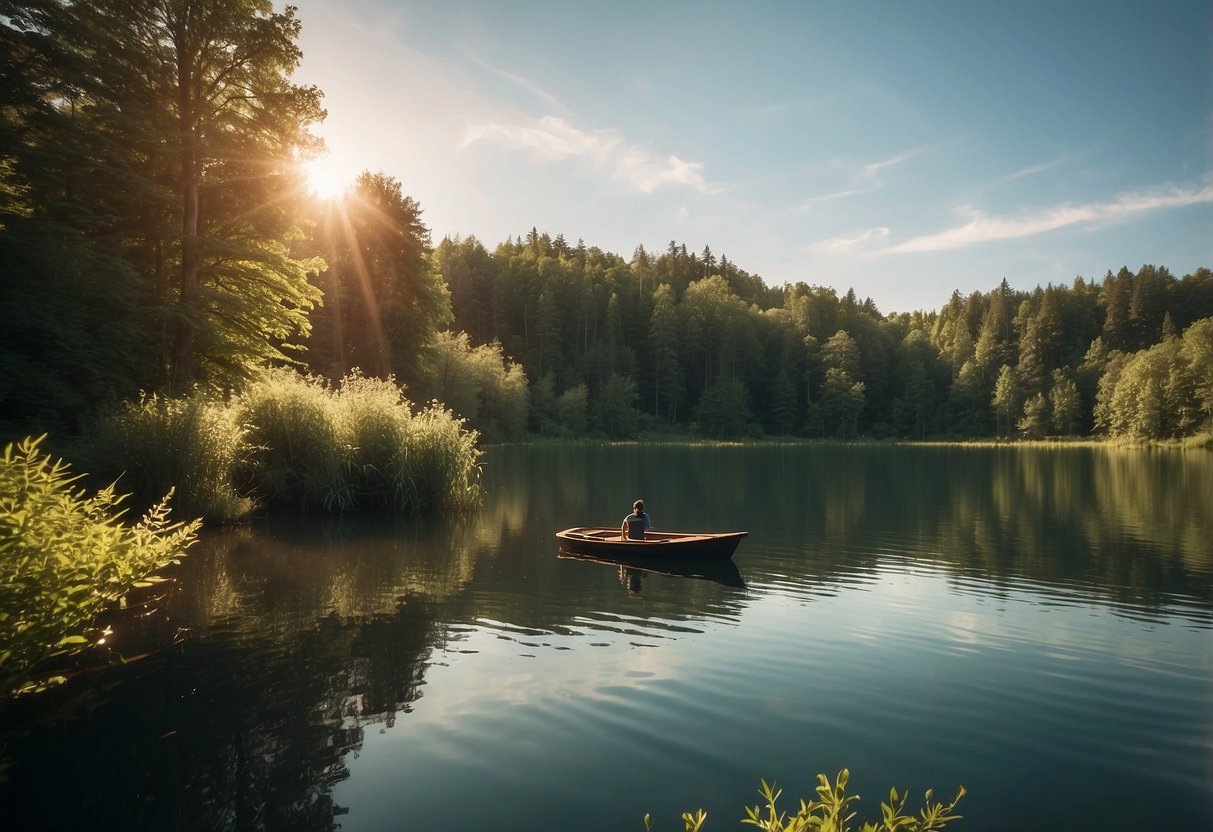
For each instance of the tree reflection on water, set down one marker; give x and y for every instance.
(283, 641)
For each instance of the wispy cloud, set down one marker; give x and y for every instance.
(872, 170)
(864, 179)
(791, 105)
(984, 229)
(552, 138)
(524, 83)
(1032, 170)
(850, 242)
(647, 172)
(817, 200)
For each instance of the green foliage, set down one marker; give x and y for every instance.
(1007, 394)
(195, 445)
(1035, 421)
(811, 361)
(477, 383)
(359, 445)
(442, 459)
(297, 458)
(384, 300)
(258, 300)
(832, 812)
(1160, 392)
(399, 460)
(1197, 350)
(294, 441)
(615, 410)
(1065, 405)
(149, 201)
(724, 412)
(842, 401)
(571, 407)
(64, 557)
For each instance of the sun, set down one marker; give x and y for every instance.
(326, 178)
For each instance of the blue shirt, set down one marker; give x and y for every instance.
(637, 525)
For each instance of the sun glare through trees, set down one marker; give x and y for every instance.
(327, 178)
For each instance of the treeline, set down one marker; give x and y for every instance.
(685, 342)
(157, 237)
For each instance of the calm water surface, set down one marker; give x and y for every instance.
(1036, 625)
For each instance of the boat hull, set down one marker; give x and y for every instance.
(609, 543)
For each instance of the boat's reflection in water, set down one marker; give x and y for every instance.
(631, 570)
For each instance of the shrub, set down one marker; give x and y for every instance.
(373, 424)
(194, 445)
(443, 459)
(399, 460)
(297, 458)
(831, 812)
(65, 557)
(294, 441)
(359, 446)
(478, 384)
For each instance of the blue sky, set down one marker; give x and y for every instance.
(905, 149)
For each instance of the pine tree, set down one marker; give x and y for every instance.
(1006, 400)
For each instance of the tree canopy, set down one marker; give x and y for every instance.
(156, 234)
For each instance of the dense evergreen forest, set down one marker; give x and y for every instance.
(681, 341)
(156, 236)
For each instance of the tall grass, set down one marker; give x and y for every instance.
(442, 457)
(196, 445)
(297, 458)
(396, 459)
(298, 442)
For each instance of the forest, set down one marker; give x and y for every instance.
(157, 237)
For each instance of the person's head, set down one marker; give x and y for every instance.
(638, 506)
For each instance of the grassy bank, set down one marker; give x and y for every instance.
(1202, 442)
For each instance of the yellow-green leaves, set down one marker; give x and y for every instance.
(831, 812)
(64, 557)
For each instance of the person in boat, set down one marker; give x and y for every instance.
(637, 523)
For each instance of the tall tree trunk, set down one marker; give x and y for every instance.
(187, 319)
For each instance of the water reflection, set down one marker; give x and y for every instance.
(632, 569)
(284, 641)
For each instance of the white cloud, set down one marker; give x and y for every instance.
(984, 229)
(553, 138)
(850, 242)
(646, 172)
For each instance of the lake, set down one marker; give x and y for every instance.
(1035, 624)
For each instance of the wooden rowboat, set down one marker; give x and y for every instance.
(610, 543)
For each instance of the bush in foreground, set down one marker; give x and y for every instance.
(832, 812)
(64, 558)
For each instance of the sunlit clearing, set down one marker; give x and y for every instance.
(325, 177)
